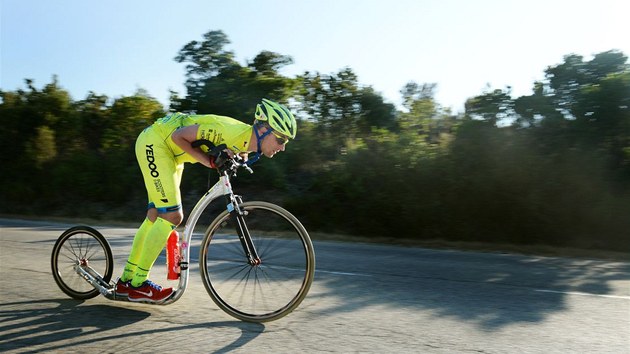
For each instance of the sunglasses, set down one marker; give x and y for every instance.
(281, 140)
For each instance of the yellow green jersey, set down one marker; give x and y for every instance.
(162, 161)
(218, 129)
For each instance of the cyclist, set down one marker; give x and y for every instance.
(161, 151)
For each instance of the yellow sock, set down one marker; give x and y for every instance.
(153, 245)
(136, 250)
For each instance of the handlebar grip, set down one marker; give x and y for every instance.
(217, 154)
(213, 150)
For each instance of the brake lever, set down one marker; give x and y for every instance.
(237, 162)
(240, 162)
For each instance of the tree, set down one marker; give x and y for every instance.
(205, 59)
(30, 118)
(128, 116)
(42, 148)
(217, 84)
(538, 108)
(332, 101)
(567, 79)
(425, 123)
(92, 117)
(268, 63)
(375, 112)
(494, 106)
(603, 116)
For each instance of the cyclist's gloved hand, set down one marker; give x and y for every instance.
(219, 155)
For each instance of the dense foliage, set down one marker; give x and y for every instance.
(549, 168)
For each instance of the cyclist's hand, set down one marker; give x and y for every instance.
(219, 159)
(219, 155)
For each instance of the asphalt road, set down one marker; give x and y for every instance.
(365, 299)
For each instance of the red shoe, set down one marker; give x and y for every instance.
(122, 288)
(149, 292)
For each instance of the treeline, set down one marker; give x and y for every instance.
(549, 168)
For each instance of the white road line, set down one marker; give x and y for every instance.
(583, 294)
(342, 273)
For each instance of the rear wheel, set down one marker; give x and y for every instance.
(81, 246)
(267, 290)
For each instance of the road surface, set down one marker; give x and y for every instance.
(365, 299)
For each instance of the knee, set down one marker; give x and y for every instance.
(152, 214)
(175, 217)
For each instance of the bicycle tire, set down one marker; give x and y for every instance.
(264, 292)
(80, 244)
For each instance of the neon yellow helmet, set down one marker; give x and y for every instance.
(278, 116)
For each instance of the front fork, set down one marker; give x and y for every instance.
(234, 207)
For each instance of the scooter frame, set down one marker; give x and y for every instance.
(223, 187)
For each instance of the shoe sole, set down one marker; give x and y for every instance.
(120, 293)
(144, 299)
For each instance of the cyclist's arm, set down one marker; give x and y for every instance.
(183, 137)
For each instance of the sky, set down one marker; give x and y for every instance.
(466, 47)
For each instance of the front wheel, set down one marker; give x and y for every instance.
(266, 290)
(81, 246)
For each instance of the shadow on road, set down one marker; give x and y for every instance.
(64, 325)
(490, 290)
